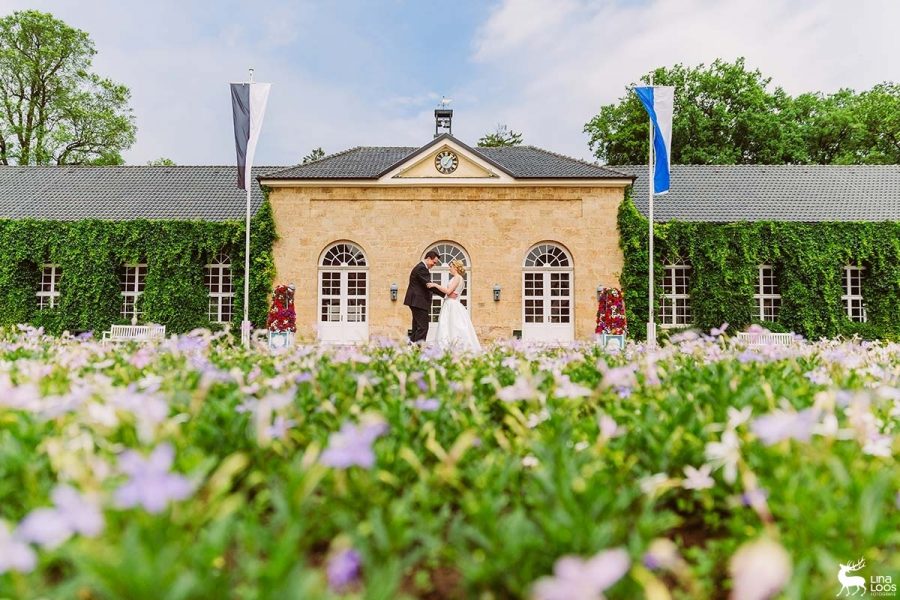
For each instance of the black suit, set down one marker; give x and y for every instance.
(418, 299)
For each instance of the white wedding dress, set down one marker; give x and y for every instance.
(454, 327)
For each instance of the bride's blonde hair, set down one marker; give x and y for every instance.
(459, 266)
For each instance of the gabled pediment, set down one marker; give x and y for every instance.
(446, 159)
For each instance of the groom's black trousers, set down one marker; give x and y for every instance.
(419, 324)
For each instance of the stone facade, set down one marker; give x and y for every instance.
(495, 223)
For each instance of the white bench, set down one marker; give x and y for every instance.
(135, 333)
(766, 338)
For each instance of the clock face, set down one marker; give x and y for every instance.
(446, 161)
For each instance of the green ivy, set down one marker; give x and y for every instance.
(89, 252)
(808, 259)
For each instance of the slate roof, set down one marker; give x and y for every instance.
(68, 193)
(521, 162)
(806, 193)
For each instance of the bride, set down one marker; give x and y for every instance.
(454, 328)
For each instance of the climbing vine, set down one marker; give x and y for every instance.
(90, 252)
(808, 259)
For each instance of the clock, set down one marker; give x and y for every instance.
(446, 161)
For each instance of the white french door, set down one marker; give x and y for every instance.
(547, 304)
(343, 296)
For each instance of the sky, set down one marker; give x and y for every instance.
(348, 73)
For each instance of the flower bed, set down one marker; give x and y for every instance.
(195, 469)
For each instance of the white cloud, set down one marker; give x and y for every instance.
(543, 67)
(556, 63)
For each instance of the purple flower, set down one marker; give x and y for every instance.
(343, 569)
(575, 578)
(280, 427)
(566, 388)
(427, 404)
(352, 445)
(522, 389)
(82, 515)
(15, 553)
(45, 527)
(302, 377)
(151, 485)
(782, 425)
(51, 527)
(717, 331)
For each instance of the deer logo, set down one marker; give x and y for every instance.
(854, 582)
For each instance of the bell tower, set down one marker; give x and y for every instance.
(443, 118)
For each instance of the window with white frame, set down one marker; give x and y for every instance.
(768, 297)
(48, 293)
(220, 287)
(547, 285)
(852, 297)
(675, 303)
(343, 284)
(132, 278)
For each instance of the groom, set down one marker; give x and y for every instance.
(418, 296)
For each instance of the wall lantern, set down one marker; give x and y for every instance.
(496, 292)
(393, 291)
(600, 288)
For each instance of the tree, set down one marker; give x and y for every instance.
(161, 162)
(501, 137)
(53, 110)
(314, 154)
(725, 114)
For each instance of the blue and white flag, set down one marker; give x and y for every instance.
(659, 103)
(248, 104)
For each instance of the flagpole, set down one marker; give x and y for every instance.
(651, 319)
(245, 324)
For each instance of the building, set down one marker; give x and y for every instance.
(812, 248)
(536, 230)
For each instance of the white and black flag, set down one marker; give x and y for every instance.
(248, 104)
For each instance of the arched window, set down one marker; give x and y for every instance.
(547, 293)
(440, 274)
(343, 293)
(220, 288)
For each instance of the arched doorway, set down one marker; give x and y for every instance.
(440, 274)
(547, 305)
(343, 294)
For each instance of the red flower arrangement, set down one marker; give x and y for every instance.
(282, 316)
(611, 312)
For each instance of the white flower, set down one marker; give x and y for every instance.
(530, 462)
(652, 484)
(879, 445)
(726, 454)
(759, 570)
(697, 479)
(535, 419)
(736, 417)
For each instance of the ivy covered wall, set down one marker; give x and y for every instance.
(90, 252)
(808, 258)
